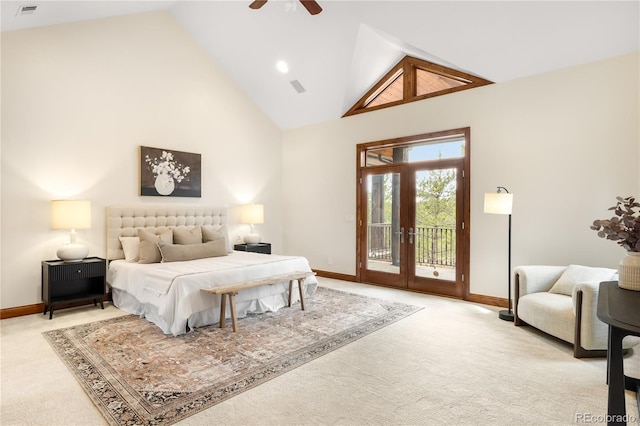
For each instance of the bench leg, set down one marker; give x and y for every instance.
(290, 291)
(300, 289)
(301, 296)
(232, 305)
(223, 307)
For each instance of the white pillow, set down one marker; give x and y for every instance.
(131, 248)
(576, 274)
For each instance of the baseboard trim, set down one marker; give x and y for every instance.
(488, 300)
(474, 298)
(39, 307)
(21, 311)
(335, 275)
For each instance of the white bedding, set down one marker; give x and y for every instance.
(169, 295)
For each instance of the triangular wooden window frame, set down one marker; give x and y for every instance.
(407, 68)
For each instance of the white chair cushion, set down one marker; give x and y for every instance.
(549, 312)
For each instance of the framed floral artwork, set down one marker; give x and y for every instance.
(169, 173)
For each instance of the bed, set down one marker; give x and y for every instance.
(168, 290)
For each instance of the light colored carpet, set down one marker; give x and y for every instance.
(450, 363)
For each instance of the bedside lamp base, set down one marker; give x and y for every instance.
(72, 252)
(252, 238)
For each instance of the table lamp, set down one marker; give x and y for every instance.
(252, 214)
(72, 215)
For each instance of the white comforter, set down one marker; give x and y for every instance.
(169, 294)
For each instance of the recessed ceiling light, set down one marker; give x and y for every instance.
(282, 67)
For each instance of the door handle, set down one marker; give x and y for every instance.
(411, 234)
(401, 232)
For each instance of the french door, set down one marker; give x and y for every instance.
(413, 217)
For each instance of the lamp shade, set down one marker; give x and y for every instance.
(498, 203)
(70, 214)
(253, 214)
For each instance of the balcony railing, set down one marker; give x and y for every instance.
(433, 245)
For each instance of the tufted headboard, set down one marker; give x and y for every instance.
(124, 221)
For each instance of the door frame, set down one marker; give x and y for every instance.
(463, 211)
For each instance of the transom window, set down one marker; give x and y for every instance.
(412, 80)
(416, 151)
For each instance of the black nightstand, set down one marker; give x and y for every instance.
(255, 248)
(67, 282)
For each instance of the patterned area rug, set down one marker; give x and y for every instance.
(136, 375)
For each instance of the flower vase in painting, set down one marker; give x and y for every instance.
(164, 184)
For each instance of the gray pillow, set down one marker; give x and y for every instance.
(212, 233)
(182, 252)
(149, 252)
(184, 236)
(209, 234)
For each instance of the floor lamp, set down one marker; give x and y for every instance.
(502, 203)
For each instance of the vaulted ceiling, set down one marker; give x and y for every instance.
(337, 55)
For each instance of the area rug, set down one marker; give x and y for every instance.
(136, 375)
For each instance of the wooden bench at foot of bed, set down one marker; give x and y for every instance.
(232, 289)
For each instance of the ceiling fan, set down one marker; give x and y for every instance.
(311, 5)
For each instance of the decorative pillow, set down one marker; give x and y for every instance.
(182, 252)
(131, 248)
(184, 236)
(576, 274)
(211, 233)
(149, 252)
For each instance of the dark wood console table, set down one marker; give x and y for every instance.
(620, 309)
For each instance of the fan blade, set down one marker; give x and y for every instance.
(312, 6)
(257, 4)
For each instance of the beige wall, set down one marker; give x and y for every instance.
(79, 99)
(77, 102)
(565, 143)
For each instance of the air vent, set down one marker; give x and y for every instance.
(27, 9)
(296, 85)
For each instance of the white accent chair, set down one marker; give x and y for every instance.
(562, 301)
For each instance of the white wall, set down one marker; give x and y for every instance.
(566, 143)
(77, 102)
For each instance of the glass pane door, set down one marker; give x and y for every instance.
(435, 224)
(413, 213)
(384, 231)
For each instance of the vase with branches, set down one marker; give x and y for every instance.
(624, 229)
